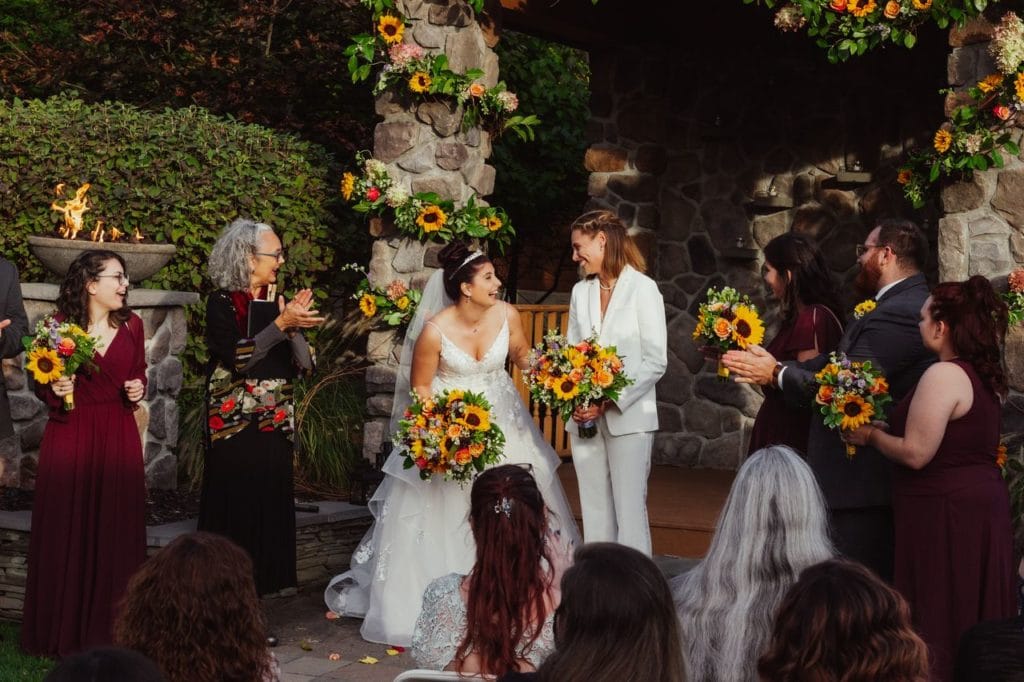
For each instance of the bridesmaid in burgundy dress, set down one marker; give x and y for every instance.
(954, 548)
(797, 277)
(88, 517)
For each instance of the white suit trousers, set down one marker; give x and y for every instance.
(612, 472)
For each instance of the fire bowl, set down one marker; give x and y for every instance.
(143, 260)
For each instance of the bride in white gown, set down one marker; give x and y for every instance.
(420, 529)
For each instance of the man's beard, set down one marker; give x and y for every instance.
(866, 282)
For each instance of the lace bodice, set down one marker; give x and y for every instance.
(442, 625)
(457, 366)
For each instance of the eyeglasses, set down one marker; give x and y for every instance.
(864, 248)
(120, 277)
(279, 255)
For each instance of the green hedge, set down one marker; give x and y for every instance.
(180, 175)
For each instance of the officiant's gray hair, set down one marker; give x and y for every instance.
(228, 265)
(774, 525)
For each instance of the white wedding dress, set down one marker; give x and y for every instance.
(421, 529)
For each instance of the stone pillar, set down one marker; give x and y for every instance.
(163, 318)
(425, 150)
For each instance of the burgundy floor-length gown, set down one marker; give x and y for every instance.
(88, 516)
(778, 423)
(954, 547)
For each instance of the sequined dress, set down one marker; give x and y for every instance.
(421, 529)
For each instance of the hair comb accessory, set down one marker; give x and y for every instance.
(471, 256)
(504, 507)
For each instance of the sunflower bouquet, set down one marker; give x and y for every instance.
(850, 394)
(565, 376)
(726, 321)
(450, 434)
(392, 305)
(1015, 296)
(58, 349)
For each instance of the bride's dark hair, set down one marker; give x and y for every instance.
(456, 270)
(505, 609)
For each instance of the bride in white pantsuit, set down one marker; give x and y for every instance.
(624, 308)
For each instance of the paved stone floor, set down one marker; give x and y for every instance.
(307, 638)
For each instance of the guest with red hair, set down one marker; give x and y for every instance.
(498, 618)
(954, 547)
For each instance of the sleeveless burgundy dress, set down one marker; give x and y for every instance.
(778, 423)
(89, 512)
(954, 547)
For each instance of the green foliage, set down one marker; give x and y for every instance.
(850, 28)
(16, 665)
(179, 175)
(539, 182)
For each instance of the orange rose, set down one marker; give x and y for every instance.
(904, 176)
(463, 456)
(838, 5)
(454, 430)
(477, 90)
(722, 328)
(880, 386)
(1001, 111)
(603, 379)
(66, 347)
(892, 9)
(476, 449)
(824, 396)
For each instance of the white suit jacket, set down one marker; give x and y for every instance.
(635, 324)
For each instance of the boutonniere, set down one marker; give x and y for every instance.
(864, 307)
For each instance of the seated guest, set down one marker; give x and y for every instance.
(774, 525)
(954, 543)
(193, 609)
(798, 279)
(992, 651)
(615, 622)
(107, 664)
(499, 617)
(840, 622)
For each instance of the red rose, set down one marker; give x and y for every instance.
(421, 462)
(216, 423)
(280, 416)
(372, 194)
(227, 406)
(1001, 111)
(66, 347)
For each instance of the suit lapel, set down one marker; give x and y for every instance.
(619, 294)
(594, 307)
(854, 329)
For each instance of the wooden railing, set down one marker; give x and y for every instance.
(537, 320)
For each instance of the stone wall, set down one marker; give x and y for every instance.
(982, 232)
(163, 318)
(708, 153)
(425, 151)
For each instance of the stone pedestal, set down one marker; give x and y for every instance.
(163, 317)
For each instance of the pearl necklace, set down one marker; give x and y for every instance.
(607, 288)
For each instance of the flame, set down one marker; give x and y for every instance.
(137, 236)
(72, 210)
(115, 234)
(97, 234)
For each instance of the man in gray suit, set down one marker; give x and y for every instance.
(857, 490)
(13, 326)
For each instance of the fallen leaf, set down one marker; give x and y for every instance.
(393, 652)
(368, 660)
(305, 645)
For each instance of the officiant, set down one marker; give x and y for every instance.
(256, 350)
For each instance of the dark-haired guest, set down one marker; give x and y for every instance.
(88, 515)
(798, 278)
(954, 546)
(107, 664)
(192, 608)
(615, 622)
(992, 651)
(840, 623)
(13, 326)
(498, 618)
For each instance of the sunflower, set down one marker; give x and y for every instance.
(476, 418)
(456, 394)
(922, 5)
(416, 447)
(826, 371)
(698, 331)
(855, 411)
(419, 82)
(747, 328)
(368, 304)
(494, 223)
(45, 365)
(1001, 456)
(402, 303)
(431, 218)
(565, 389)
(1018, 86)
(861, 8)
(390, 28)
(991, 82)
(348, 185)
(576, 358)
(943, 138)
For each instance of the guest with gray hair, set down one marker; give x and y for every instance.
(774, 525)
(256, 352)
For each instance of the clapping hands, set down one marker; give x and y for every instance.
(298, 313)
